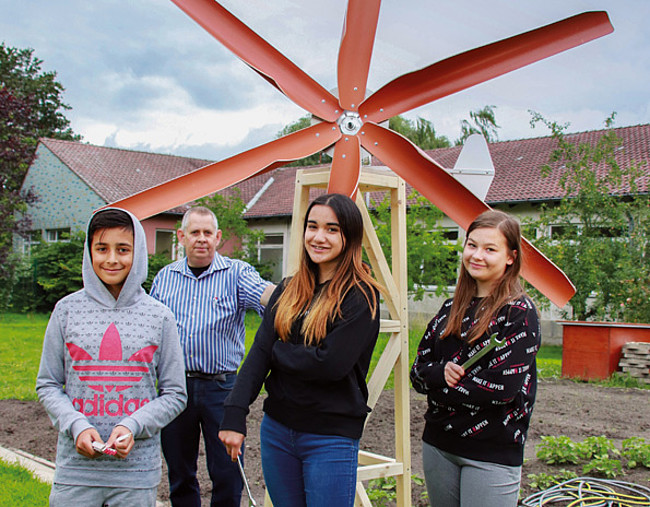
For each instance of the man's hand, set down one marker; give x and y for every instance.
(84, 443)
(121, 440)
(233, 442)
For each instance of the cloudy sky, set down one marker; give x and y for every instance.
(143, 75)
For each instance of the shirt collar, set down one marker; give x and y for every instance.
(218, 263)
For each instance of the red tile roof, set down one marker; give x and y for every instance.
(517, 163)
(117, 173)
(517, 169)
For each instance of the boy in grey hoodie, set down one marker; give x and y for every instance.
(111, 373)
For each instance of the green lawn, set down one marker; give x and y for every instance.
(22, 337)
(19, 487)
(21, 340)
(549, 361)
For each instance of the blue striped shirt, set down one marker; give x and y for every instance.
(210, 310)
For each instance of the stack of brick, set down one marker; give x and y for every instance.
(635, 360)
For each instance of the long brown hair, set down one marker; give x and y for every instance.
(298, 297)
(507, 288)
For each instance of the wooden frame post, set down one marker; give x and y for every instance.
(395, 356)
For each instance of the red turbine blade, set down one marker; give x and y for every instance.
(346, 167)
(356, 50)
(222, 174)
(458, 203)
(262, 57)
(482, 64)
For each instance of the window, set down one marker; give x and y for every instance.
(563, 231)
(165, 243)
(34, 238)
(610, 232)
(575, 232)
(451, 234)
(56, 235)
(270, 251)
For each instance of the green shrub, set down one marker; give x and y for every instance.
(604, 467)
(598, 447)
(17, 292)
(53, 270)
(156, 263)
(636, 451)
(57, 267)
(559, 450)
(544, 481)
(382, 492)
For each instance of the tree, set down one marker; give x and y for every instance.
(57, 267)
(482, 121)
(432, 259)
(421, 133)
(242, 240)
(17, 142)
(31, 107)
(599, 229)
(21, 75)
(316, 158)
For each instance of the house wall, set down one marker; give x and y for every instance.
(64, 199)
(158, 223)
(276, 226)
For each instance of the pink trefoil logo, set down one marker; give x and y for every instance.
(101, 374)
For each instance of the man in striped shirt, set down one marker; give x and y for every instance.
(209, 295)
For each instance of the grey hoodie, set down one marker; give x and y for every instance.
(107, 362)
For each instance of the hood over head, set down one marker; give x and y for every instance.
(132, 289)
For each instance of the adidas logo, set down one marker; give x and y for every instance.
(104, 376)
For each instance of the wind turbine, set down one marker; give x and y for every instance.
(352, 120)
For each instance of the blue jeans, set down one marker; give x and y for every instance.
(305, 469)
(180, 444)
(453, 481)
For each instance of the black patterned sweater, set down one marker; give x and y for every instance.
(485, 417)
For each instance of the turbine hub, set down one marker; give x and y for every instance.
(350, 123)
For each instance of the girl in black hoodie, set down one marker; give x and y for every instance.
(312, 352)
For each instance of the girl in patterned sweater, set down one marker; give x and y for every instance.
(478, 414)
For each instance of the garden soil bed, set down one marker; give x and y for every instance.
(576, 410)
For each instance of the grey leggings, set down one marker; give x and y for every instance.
(453, 481)
(63, 495)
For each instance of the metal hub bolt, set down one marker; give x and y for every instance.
(350, 123)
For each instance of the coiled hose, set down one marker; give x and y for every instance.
(591, 492)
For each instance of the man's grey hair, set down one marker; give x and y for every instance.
(199, 210)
